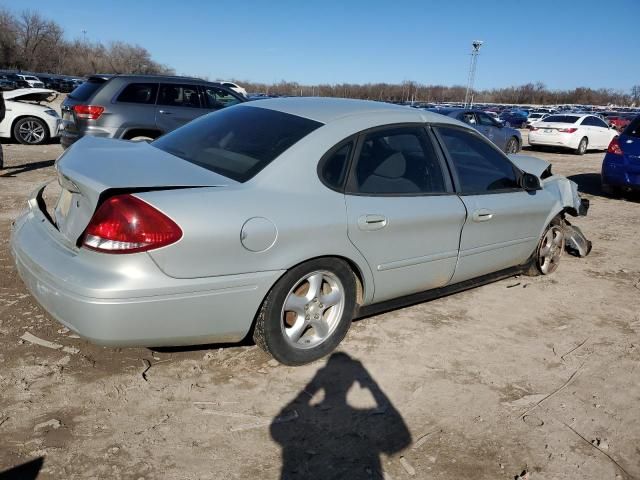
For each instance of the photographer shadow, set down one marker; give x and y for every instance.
(329, 439)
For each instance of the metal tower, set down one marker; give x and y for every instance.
(468, 97)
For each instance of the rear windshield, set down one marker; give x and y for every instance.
(633, 129)
(85, 90)
(561, 119)
(236, 142)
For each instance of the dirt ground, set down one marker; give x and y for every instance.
(537, 374)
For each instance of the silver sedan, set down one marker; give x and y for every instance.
(282, 219)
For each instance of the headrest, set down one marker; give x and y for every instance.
(394, 166)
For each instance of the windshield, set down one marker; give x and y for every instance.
(236, 142)
(561, 119)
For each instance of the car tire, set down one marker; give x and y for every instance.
(582, 146)
(546, 258)
(513, 146)
(31, 131)
(308, 311)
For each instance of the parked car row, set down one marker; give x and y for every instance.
(59, 83)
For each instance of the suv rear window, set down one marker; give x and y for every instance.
(561, 119)
(84, 91)
(236, 142)
(633, 129)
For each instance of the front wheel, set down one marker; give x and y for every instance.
(308, 311)
(31, 131)
(550, 249)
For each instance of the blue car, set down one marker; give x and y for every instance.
(621, 164)
(515, 118)
(507, 139)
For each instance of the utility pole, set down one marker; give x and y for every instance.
(84, 36)
(475, 51)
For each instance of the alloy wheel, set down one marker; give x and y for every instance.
(312, 309)
(31, 132)
(551, 249)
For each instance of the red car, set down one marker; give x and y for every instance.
(620, 122)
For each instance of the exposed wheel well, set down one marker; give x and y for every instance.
(17, 119)
(141, 132)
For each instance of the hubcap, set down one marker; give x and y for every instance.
(312, 309)
(31, 132)
(551, 250)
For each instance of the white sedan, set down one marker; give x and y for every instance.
(575, 131)
(26, 120)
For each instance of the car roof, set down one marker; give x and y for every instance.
(327, 109)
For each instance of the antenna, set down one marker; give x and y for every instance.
(475, 51)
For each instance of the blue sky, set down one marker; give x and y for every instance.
(564, 44)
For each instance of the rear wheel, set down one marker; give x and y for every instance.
(308, 311)
(31, 131)
(582, 146)
(512, 145)
(550, 249)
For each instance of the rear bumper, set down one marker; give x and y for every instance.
(563, 140)
(617, 172)
(69, 137)
(125, 299)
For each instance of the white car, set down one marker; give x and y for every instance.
(536, 117)
(34, 82)
(26, 120)
(575, 131)
(234, 86)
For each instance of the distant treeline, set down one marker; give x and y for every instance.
(531, 93)
(33, 43)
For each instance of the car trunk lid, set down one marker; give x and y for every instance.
(94, 168)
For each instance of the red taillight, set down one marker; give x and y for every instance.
(91, 112)
(567, 130)
(532, 128)
(614, 147)
(126, 224)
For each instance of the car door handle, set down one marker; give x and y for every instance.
(164, 112)
(372, 222)
(482, 215)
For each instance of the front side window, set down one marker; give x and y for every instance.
(175, 95)
(216, 98)
(480, 167)
(600, 123)
(236, 142)
(139, 93)
(398, 161)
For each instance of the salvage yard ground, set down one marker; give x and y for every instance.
(537, 374)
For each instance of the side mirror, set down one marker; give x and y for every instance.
(530, 182)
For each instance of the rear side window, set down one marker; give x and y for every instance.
(562, 119)
(334, 168)
(633, 129)
(139, 93)
(480, 167)
(397, 161)
(84, 91)
(175, 95)
(236, 142)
